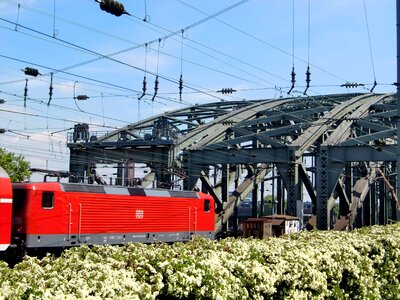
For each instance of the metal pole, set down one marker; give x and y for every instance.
(398, 96)
(273, 190)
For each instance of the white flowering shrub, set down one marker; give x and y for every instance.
(363, 264)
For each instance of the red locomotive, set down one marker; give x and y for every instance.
(53, 215)
(5, 210)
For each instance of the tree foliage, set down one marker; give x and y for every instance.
(15, 165)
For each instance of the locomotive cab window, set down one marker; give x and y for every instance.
(207, 205)
(47, 200)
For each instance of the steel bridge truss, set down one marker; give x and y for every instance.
(332, 149)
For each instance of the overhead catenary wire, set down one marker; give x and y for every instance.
(145, 71)
(35, 154)
(77, 24)
(55, 31)
(308, 73)
(199, 22)
(265, 43)
(228, 8)
(17, 21)
(115, 37)
(119, 52)
(278, 89)
(292, 74)
(85, 112)
(252, 74)
(47, 117)
(146, 16)
(180, 78)
(370, 46)
(130, 96)
(139, 46)
(192, 87)
(63, 108)
(209, 17)
(156, 82)
(102, 108)
(81, 76)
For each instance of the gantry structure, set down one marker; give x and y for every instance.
(333, 150)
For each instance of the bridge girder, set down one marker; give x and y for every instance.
(202, 141)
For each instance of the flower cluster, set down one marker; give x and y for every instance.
(363, 264)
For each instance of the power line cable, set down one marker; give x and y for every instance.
(308, 73)
(100, 31)
(47, 117)
(71, 74)
(171, 34)
(370, 46)
(63, 108)
(218, 52)
(264, 42)
(106, 57)
(137, 46)
(293, 74)
(217, 59)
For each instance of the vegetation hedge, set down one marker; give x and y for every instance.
(362, 264)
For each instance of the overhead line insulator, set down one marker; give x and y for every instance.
(113, 7)
(82, 97)
(144, 89)
(180, 87)
(227, 91)
(31, 72)
(25, 92)
(50, 89)
(308, 80)
(352, 84)
(374, 86)
(293, 80)
(155, 88)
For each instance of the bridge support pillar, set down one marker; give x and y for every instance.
(79, 165)
(280, 197)
(192, 170)
(323, 194)
(327, 176)
(290, 175)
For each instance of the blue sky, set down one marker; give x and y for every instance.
(250, 48)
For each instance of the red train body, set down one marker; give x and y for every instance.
(5, 210)
(57, 215)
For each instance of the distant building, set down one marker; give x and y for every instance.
(270, 226)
